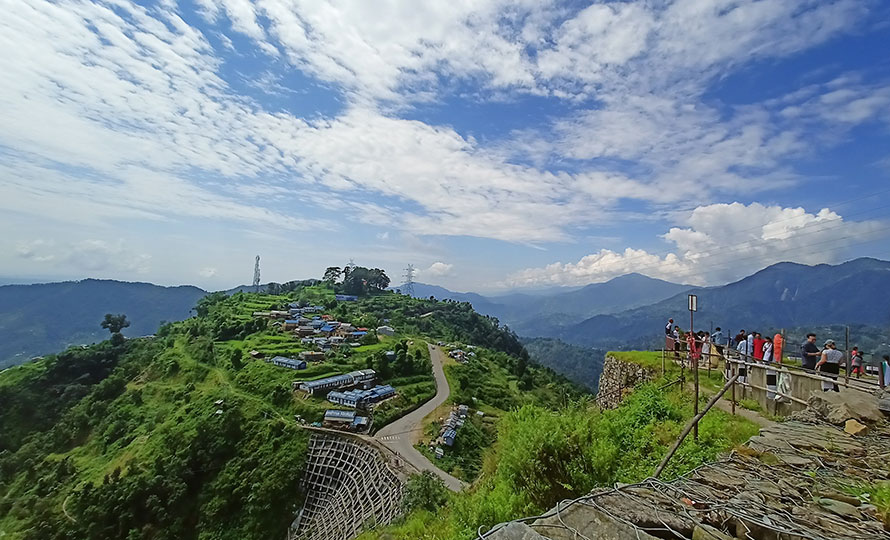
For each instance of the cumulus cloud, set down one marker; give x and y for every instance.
(437, 269)
(720, 243)
(89, 255)
(124, 112)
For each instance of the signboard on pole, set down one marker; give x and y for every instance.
(693, 302)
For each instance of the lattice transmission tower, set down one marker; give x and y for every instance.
(409, 279)
(256, 275)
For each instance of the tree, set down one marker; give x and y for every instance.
(115, 323)
(236, 358)
(332, 274)
(424, 491)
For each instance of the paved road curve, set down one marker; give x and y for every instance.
(400, 435)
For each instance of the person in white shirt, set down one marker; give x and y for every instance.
(830, 365)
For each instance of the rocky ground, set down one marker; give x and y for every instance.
(795, 480)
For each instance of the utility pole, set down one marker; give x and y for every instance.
(693, 307)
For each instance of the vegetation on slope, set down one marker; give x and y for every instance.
(185, 435)
(543, 456)
(581, 365)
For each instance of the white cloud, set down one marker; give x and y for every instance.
(90, 255)
(720, 243)
(437, 269)
(207, 272)
(121, 112)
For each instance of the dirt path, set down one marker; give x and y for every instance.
(400, 435)
(753, 416)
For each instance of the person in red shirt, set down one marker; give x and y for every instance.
(758, 346)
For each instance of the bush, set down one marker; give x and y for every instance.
(424, 491)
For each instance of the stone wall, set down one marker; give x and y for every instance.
(618, 379)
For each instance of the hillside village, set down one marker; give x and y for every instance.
(325, 338)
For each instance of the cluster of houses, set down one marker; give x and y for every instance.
(294, 310)
(448, 431)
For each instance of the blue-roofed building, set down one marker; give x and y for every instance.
(290, 363)
(350, 398)
(449, 436)
(346, 297)
(360, 377)
(316, 323)
(338, 418)
(361, 398)
(379, 393)
(290, 324)
(327, 329)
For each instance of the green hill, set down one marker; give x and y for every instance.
(185, 435)
(48, 317)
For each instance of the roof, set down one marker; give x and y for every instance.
(292, 321)
(335, 380)
(327, 328)
(359, 333)
(336, 413)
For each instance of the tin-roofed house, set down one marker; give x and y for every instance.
(290, 363)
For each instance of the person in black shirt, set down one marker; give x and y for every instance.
(669, 327)
(809, 352)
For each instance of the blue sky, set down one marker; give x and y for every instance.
(491, 144)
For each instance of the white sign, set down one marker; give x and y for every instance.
(693, 302)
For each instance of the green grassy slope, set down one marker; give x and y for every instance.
(186, 436)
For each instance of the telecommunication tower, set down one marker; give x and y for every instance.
(256, 275)
(409, 280)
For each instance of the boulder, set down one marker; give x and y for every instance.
(855, 428)
(840, 508)
(838, 407)
(706, 532)
(516, 531)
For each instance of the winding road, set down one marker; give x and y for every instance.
(401, 435)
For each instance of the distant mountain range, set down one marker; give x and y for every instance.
(538, 315)
(784, 295)
(631, 310)
(625, 312)
(46, 318)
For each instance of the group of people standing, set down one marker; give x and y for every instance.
(754, 346)
(698, 344)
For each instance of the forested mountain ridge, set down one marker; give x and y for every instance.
(784, 295)
(185, 436)
(543, 314)
(44, 318)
